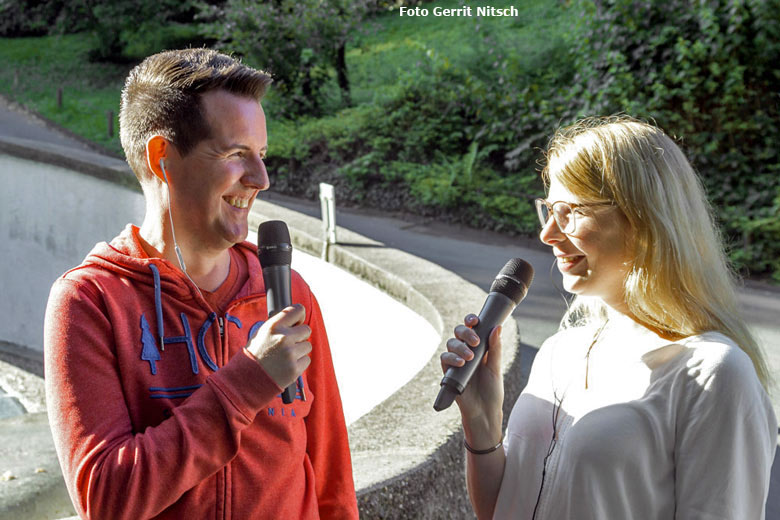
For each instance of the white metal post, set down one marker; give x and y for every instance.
(328, 209)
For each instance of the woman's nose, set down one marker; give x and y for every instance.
(551, 234)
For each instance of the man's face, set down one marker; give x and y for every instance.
(214, 186)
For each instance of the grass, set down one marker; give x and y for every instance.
(381, 51)
(391, 45)
(36, 67)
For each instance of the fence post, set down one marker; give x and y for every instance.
(328, 209)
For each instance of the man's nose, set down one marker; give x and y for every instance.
(256, 175)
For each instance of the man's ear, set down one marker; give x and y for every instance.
(156, 151)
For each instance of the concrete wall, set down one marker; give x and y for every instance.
(47, 223)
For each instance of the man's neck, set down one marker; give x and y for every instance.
(207, 268)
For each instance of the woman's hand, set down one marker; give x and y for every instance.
(480, 409)
(481, 401)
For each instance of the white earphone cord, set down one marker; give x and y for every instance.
(173, 231)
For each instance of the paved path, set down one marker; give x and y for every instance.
(16, 122)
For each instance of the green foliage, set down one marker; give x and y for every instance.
(447, 116)
(151, 37)
(121, 30)
(761, 236)
(26, 17)
(706, 72)
(35, 67)
(427, 146)
(130, 31)
(427, 134)
(300, 42)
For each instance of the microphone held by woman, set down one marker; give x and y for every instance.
(508, 289)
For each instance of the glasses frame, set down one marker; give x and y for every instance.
(539, 203)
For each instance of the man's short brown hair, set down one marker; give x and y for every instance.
(162, 97)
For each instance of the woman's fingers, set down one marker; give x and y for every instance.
(467, 335)
(459, 348)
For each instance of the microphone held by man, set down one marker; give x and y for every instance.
(274, 250)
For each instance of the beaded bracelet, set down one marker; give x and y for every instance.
(483, 452)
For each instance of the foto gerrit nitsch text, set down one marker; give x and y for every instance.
(486, 11)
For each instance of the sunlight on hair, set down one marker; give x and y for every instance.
(680, 282)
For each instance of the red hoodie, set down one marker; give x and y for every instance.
(197, 429)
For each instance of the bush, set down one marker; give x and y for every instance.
(301, 43)
(467, 133)
(707, 73)
(130, 31)
(27, 17)
(121, 30)
(423, 150)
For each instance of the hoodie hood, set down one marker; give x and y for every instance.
(125, 256)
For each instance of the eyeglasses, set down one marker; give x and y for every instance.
(563, 213)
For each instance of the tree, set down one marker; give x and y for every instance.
(707, 73)
(125, 30)
(27, 17)
(301, 43)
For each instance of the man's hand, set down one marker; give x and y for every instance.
(282, 345)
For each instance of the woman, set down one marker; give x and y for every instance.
(650, 402)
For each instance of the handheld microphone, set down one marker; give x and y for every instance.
(274, 250)
(508, 289)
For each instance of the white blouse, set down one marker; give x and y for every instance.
(665, 430)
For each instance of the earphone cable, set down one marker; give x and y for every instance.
(173, 232)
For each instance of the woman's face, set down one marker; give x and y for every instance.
(596, 257)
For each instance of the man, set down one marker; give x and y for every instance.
(161, 403)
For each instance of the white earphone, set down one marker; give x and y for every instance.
(173, 231)
(162, 167)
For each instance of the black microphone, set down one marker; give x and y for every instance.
(508, 289)
(274, 249)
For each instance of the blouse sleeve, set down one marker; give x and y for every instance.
(726, 437)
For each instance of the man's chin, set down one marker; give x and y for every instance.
(234, 236)
(238, 239)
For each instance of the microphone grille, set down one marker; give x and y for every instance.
(274, 246)
(514, 279)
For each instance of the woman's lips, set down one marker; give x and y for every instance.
(567, 263)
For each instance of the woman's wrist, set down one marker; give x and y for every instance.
(483, 432)
(482, 451)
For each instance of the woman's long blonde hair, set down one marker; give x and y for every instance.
(681, 282)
